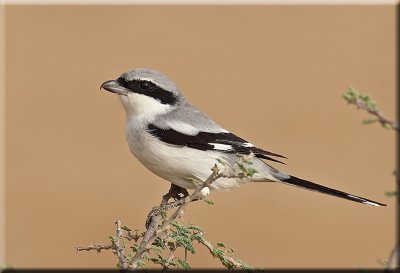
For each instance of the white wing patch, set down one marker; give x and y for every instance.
(183, 127)
(228, 147)
(222, 147)
(247, 145)
(191, 130)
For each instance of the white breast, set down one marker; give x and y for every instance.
(179, 165)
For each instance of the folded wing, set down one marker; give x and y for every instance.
(218, 141)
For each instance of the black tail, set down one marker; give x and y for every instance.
(295, 181)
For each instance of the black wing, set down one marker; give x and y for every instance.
(223, 142)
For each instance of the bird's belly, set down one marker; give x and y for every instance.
(182, 166)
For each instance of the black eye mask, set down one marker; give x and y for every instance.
(149, 89)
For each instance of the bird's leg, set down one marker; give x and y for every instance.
(175, 192)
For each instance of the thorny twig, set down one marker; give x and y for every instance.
(97, 247)
(231, 260)
(117, 246)
(366, 103)
(391, 262)
(154, 215)
(155, 231)
(171, 256)
(145, 245)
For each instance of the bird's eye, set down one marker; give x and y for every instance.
(144, 85)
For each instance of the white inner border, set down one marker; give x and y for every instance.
(208, 2)
(119, 2)
(2, 141)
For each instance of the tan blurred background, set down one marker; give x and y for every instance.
(272, 74)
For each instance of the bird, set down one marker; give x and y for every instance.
(179, 143)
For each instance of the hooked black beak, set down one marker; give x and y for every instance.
(114, 87)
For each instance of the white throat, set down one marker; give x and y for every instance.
(143, 107)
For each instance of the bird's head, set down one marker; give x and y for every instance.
(145, 92)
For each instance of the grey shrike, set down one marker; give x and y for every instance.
(180, 143)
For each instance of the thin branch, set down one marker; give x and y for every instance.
(154, 216)
(118, 248)
(97, 247)
(145, 245)
(155, 231)
(171, 256)
(365, 103)
(381, 118)
(135, 237)
(391, 263)
(233, 261)
(115, 246)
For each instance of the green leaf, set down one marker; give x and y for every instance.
(193, 227)
(239, 156)
(245, 266)
(198, 236)
(113, 239)
(221, 161)
(220, 244)
(129, 257)
(387, 126)
(193, 181)
(391, 193)
(217, 252)
(159, 243)
(126, 228)
(135, 247)
(185, 242)
(163, 214)
(369, 121)
(226, 263)
(352, 91)
(146, 256)
(172, 263)
(249, 162)
(241, 167)
(209, 202)
(251, 172)
(371, 105)
(156, 249)
(184, 264)
(156, 261)
(159, 260)
(140, 263)
(350, 94)
(176, 224)
(346, 96)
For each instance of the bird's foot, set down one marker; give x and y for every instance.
(177, 193)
